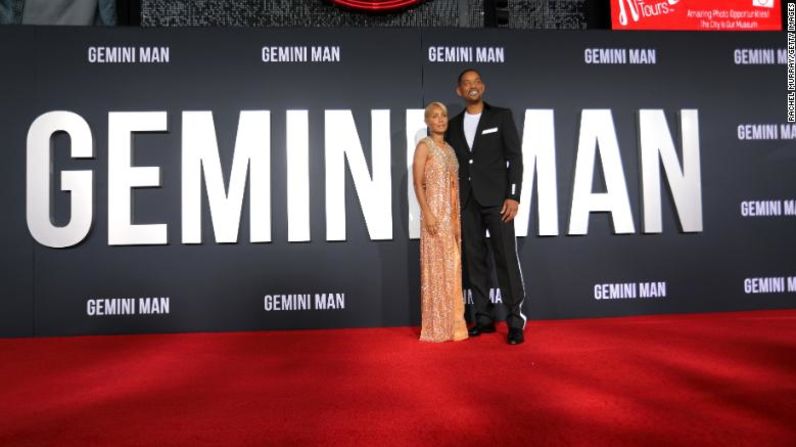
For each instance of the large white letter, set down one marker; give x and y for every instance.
(78, 183)
(684, 182)
(123, 177)
(298, 176)
(539, 144)
(200, 155)
(597, 134)
(342, 143)
(415, 131)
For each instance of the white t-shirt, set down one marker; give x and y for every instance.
(470, 126)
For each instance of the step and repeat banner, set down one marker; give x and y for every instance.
(698, 15)
(212, 180)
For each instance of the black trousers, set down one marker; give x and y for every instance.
(475, 220)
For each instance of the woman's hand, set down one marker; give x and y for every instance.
(430, 223)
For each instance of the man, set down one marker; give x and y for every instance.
(490, 178)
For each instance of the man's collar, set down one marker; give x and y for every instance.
(485, 108)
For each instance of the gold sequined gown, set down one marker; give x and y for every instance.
(441, 302)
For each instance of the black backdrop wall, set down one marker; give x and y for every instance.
(664, 178)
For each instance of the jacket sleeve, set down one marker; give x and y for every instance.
(512, 152)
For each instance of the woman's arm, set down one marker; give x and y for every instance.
(418, 174)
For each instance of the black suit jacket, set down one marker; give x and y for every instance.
(492, 171)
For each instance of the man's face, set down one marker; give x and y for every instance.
(470, 87)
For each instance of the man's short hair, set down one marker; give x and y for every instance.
(467, 70)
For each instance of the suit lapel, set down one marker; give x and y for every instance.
(458, 131)
(481, 123)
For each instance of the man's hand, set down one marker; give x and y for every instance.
(509, 210)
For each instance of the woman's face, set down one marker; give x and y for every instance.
(437, 120)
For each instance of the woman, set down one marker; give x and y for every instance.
(436, 180)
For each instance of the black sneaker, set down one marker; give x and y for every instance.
(515, 336)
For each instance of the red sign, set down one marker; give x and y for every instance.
(697, 15)
(376, 5)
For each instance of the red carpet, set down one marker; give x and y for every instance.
(709, 379)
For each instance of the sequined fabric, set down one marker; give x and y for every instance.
(441, 302)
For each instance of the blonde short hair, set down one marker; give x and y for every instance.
(434, 104)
